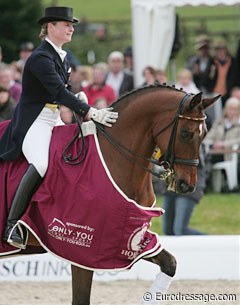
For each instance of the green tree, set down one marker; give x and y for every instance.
(18, 24)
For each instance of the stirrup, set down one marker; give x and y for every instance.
(23, 235)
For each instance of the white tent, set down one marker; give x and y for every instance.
(153, 25)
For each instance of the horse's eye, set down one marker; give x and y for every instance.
(186, 135)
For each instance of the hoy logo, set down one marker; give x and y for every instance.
(136, 242)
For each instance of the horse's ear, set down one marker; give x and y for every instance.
(196, 100)
(207, 102)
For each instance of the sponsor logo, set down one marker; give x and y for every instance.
(76, 234)
(137, 242)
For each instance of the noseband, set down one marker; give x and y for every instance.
(169, 157)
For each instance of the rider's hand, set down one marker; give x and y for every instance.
(82, 96)
(103, 116)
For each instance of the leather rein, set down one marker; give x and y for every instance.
(169, 158)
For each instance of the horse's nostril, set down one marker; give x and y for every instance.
(183, 187)
(191, 188)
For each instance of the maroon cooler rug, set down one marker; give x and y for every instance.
(78, 213)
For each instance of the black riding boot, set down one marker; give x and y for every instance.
(27, 187)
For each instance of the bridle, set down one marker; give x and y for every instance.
(169, 157)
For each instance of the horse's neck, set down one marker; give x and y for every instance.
(140, 117)
(132, 179)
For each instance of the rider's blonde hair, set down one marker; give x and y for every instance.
(44, 30)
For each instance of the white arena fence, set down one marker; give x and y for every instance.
(199, 258)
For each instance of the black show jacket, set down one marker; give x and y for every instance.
(45, 80)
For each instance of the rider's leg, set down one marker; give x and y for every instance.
(28, 185)
(36, 150)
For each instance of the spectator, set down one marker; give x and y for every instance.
(220, 75)
(25, 51)
(201, 62)
(86, 73)
(98, 88)
(237, 63)
(161, 76)
(120, 81)
(128, 60)
(100, 103)
(7, 80)
(185, 82)
(235, 92)
(225, 132)
(72, 59)
(179, 208)
(149, 75)
(76, 79)
(7, 105)
(17, 72)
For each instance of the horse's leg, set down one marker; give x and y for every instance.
(167, 264)
(81, 285)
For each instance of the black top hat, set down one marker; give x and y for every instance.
(58, 13)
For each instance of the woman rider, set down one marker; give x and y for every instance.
(45, 86)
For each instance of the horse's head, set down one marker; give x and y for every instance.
(180, 141)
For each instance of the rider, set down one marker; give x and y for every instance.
(45, 86)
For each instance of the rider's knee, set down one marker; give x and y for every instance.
(41, 167)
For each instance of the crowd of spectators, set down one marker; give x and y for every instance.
(213, 70)
(97, 89)
(216, 71)
(11, 79)
(7, 104)
(102, 82)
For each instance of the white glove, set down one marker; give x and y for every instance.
(103, 116)
(82, 96)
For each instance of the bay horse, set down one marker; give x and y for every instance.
(156, 115)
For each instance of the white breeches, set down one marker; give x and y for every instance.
(37, 139)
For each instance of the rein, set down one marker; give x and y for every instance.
(124, 150)
(67, 157)
(169, 158)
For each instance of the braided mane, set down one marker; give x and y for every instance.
(155, 85)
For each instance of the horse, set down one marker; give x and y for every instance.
(149, 117)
